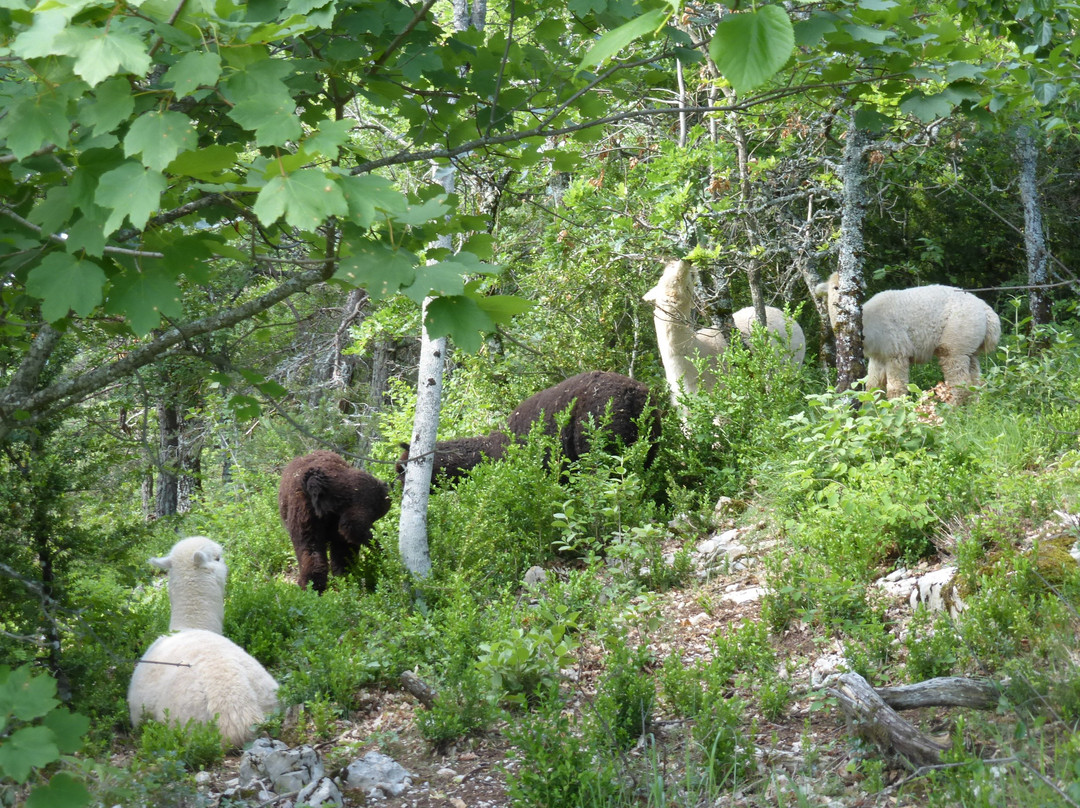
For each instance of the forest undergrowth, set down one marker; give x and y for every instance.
(587, 690)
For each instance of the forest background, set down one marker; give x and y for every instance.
(221, 224)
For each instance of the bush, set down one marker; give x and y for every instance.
(625, 698)
(197, 745)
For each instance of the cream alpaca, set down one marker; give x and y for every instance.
(679, 343)
(196, 673)
(903, 326)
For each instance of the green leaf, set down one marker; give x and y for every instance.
(864, 33)
(615, 40)
(130, 191)
(379, 269)
(111, 104)
(750, 47)
(159, 137)
(460, 318)
(26, 749)
(926, 107)
(503, 308)
(809, 32)
(368, 193)
(193, 70)
(421, 214)
(272, 119)
(24, 696)
(332, 135)
(35, 122)
(441, 278)
(40, 39)
(871, 120)
(69, 729)
(206, 164)
(143, 297)
(103, 52)
(62, 791)
(305, 198)
(63, 283)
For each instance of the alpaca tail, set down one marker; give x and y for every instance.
(993, 332)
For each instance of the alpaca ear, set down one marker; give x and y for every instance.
(164, 563)
(316, 485)
(202, 559)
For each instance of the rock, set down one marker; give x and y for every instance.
(377, 775)
(932, 590)
(446, 773)
(319, 793)
(748, 595)
(287, 770)
(535, 577)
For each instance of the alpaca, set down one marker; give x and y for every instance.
(328, 508)
(679, 344)
(587, 393)
(196, 673)
(905, 326)
(589, 396)
(454, 457)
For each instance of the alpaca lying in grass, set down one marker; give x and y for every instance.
(672, 299)
(904, 326)
(588, 394)
(195, 672)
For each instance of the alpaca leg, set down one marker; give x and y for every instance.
(875, 375)
(342, 557)
(897, 370)
(314, 566)
(957, 373)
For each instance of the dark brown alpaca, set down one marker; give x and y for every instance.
(328, 508)
(589, 392)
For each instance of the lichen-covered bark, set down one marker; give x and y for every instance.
(850, 364)
(1027, 153)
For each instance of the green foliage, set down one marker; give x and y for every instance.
(932, 647)
(526, 663)
(197, 745)
(35, 732)
(555, 766)
(461, 708)
(625, 697)
(730, 430)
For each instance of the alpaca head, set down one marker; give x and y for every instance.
(675, 287)
(196, 583)
(830, 290)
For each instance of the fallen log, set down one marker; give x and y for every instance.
(424, 693)
(876, 722)
(944, 691)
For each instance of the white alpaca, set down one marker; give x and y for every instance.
(196, 672)
(679, 343)
(903, 326)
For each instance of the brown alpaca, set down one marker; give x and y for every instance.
(328, 508)
(588, 392)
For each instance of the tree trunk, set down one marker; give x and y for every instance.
(412, 529)
(380, 377)
(190, 463)
(167, 495)
(850, 364)
(1034, 233)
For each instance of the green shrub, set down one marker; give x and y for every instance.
(460, 708)
(625, 697)
(554, 765)
(526, 662)
(933, 647)
(197, 745)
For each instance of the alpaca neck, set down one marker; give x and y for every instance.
(677, 342)
(197, 603)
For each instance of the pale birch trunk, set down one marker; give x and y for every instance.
(412, 529)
